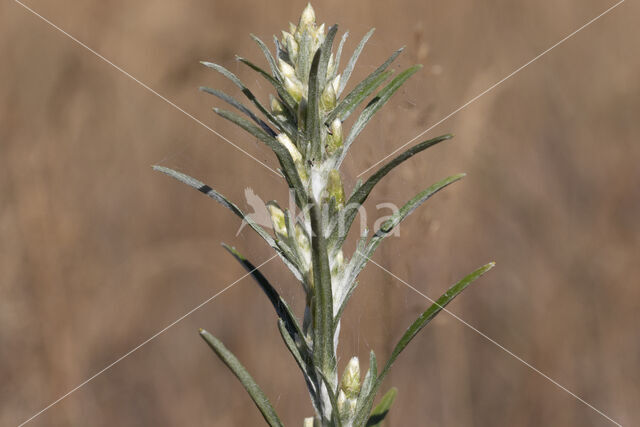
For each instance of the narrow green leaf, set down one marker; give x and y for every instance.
(361, 193)
(280, 305)
(361, 257)
(352, 61)
(349, 276)
(232, 101)
(267, 54)
(336, 61)
(286, 162)
(380, 99)
(420, 323)
(303, 363)
(245, 90)
(408, 208)
(363, 90)
(322, 295)
(382, 409)
(304, 57)
(288, 101)
(256, 393)
(431, 312)
(355, 98)
(312, 130)
(326, 54)
(204, 188)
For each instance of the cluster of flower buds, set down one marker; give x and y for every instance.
(349, 390)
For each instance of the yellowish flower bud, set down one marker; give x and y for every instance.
(342, 402)
(308, 17)
(291, 44)
(276, 106)
(304, 247)
(334, 137)
(278, 220)
(295, 155)
(284, 139)
(294, 87)
(336, 83)
(286, 69)
(350, 383)
(328, 98)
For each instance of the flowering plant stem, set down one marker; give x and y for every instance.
(303, 127)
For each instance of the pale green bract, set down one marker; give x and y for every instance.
(302, 124)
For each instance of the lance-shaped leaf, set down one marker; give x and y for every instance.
(286, 162)
(417, 326)
(380, 99)
(336, 61)
(245, 90)
(352, 61)
(238, 105)
(280, 305)
(303, 363)
(382, 409)
(287, 258)
(322, 295)
(361, 257)
(267, 54)
(288, 101)
(362, 90)
(326, 54)
(362, 191)
(312, 130)
(304, 57)
(256, 393)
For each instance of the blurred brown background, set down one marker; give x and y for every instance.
(98, 253)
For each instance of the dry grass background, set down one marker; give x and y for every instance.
(97, 252)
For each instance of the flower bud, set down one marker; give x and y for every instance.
(336, 84)
(276, 106)
(342, 401)
(350, 383)
(346, 407)
(334, 137)
(284, 139)
(308, 422)
(328, 98)
(295, 154)
(291, 44)
(304, 247)
(308, 17)
(278, 220)
(294, 87)
(334, 188)
(286, 69)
